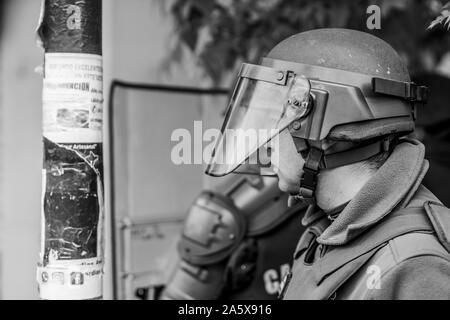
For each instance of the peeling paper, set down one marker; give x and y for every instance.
(73, 97)
(71, 259)
(71, 202)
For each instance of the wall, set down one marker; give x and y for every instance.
(21, 151)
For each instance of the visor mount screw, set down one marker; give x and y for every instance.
(280, 76)
(231, 236)
(296, 125)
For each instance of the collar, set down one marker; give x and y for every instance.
(392, 186)
(312, 214)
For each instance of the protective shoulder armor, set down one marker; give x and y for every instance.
(439, 216)
(213, 229)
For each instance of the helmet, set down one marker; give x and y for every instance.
(339, 85)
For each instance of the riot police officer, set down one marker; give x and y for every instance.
(236, 243)
(334, 107)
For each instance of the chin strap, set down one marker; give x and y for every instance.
(308, 181)
(317, 159)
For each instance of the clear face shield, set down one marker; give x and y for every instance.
(264, 103)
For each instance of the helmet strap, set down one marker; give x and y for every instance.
(308, 180)
(317, 159)
(356, 154)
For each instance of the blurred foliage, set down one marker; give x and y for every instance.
(443, 18)
(222, 33)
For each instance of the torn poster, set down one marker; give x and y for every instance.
(71, 259)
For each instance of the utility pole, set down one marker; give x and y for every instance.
(72, 213)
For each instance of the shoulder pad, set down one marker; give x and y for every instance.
(214, 227)
(439, 216)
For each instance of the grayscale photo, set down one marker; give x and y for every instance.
(237, 152)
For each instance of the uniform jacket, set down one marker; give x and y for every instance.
(391, 241)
